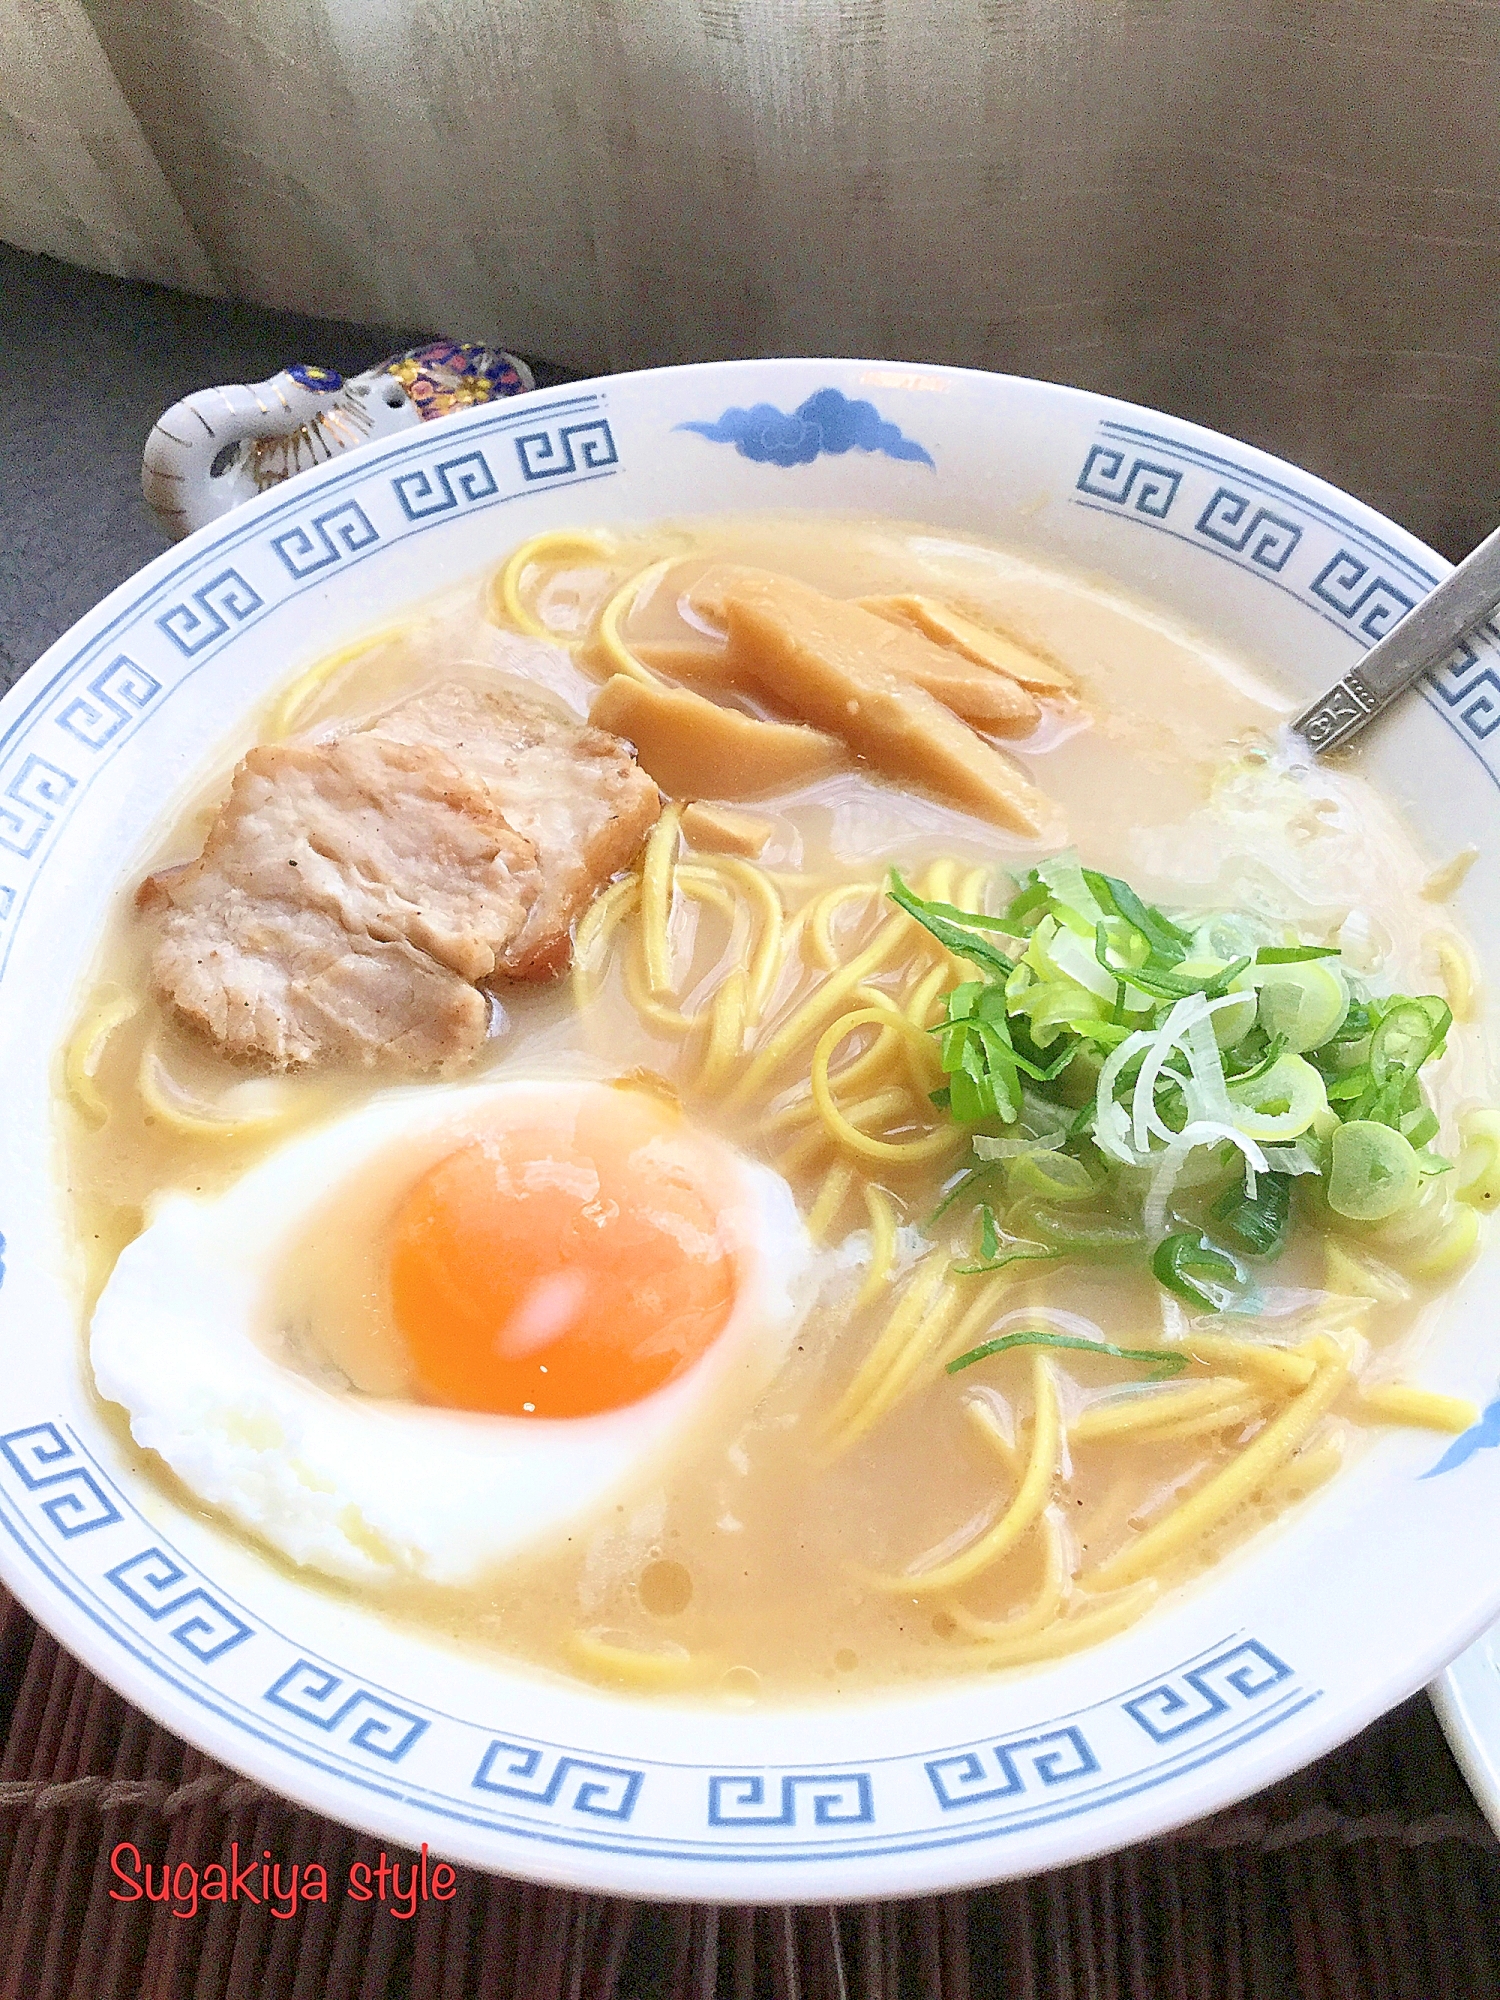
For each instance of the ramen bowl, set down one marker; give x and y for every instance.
(1341, 1609)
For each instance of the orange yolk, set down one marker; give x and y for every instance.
(560, 1269)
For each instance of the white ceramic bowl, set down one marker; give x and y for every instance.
(1278, 1655)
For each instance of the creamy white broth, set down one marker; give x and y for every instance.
(740, 1567)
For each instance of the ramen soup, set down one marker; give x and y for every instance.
(963, 1132)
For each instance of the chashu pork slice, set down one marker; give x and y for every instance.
(348, 898)
(575, 792)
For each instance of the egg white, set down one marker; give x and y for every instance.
(373, 1488)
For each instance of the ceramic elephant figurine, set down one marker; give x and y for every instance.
(221, 446)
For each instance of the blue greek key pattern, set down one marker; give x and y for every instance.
(1009, 1770)
(550, 453)
(162, 1588)
(224, 600)
(1353, 587)
(844, 1798)
(336, 532)
(304, 1709)
(542, 1778)
(30, 803)
(1471, 688)
(115, 696)
(423, 493)
(1112, 474)
(1244, 1673)
(319, 1697)
(1236, 523)
(74, 1501)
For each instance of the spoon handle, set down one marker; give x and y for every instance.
(1422, 638)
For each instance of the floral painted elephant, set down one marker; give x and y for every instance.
(218, 447)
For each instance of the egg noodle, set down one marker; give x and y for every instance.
(984, 1469)
(815, 1023)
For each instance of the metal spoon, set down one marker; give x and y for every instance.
(1428, 632)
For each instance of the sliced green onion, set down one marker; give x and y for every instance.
(1294, 954)
(1199, 1271)
(1373, 1172)
(1418, 1128)
(1281, 1102)
(1159, 931)
(1160, 1364)
(1051, 1176)
(1257, 1223)
(1304, 1004)
(964, 939)
(1411, 1032)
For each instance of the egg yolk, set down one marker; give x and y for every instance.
(560, 1269)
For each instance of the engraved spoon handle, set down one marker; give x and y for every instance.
(1423, 637)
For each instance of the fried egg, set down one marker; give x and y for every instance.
(450, 1324)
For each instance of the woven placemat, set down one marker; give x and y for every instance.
(1369, 1877)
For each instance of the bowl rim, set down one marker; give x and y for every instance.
(1326, 1723)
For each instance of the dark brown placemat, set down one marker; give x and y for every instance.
(1369, 1877)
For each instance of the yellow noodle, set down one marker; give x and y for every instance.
(766, 961)
(898, 1378)
(1081, 1628)
(930, 1146)
(831, 1197)
(918, 1009)
(657, 870)
(909, 1311)
(85, 1052)
(192, 1116)
(936, 886)
(1351, 1276)
(635, 1665)
(820, 919)
(621, 659)
(802, 1114)
(970, 896)
(1458, 977)
(893, 1034)
(596, 927)
(888, 1384)
(1280, 1366)
(291, 704)
(1478, 1176)
(980, 1313)
(1228, 1416)
(1236, 1481)
(818, 1141)
(505, 591)
(1043, 1608)
(971, 891)
(1301, 1476)
(1454, 1244)
(1303, 1473)
(660, 1013)
(726, 1030)
(983, 1420)
(819, 1008)
(882, 1246)
(1149, 1412)
(919, 1003)
(1400, 1403)
(1031, 1497)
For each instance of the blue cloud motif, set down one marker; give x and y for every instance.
(1482, 1436)
(828, 421)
